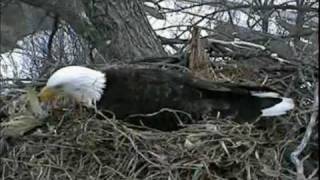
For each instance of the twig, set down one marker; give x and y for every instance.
(237, 43)
(51, 37)
(294, 155)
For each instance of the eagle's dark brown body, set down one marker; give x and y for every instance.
(131, 91)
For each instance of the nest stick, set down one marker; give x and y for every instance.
(294, 155)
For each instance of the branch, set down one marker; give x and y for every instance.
(51, 37)
(294, 155)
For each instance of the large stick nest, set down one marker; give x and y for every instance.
(74, 145)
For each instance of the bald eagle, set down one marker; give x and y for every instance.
(145, 96)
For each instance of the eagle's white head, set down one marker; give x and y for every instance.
(83, 84)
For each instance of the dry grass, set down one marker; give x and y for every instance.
(89, 148)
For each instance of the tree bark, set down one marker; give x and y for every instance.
(125, 31)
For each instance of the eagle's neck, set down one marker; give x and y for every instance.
(83, 84)
(89, 90)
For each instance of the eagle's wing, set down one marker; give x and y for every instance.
(140, 90)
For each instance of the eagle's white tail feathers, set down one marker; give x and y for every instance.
(281, 108)
(265, 94)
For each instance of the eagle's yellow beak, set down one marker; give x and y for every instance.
(48, 94)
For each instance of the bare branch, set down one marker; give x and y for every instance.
(294, 155)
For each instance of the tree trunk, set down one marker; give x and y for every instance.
(125, 31)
